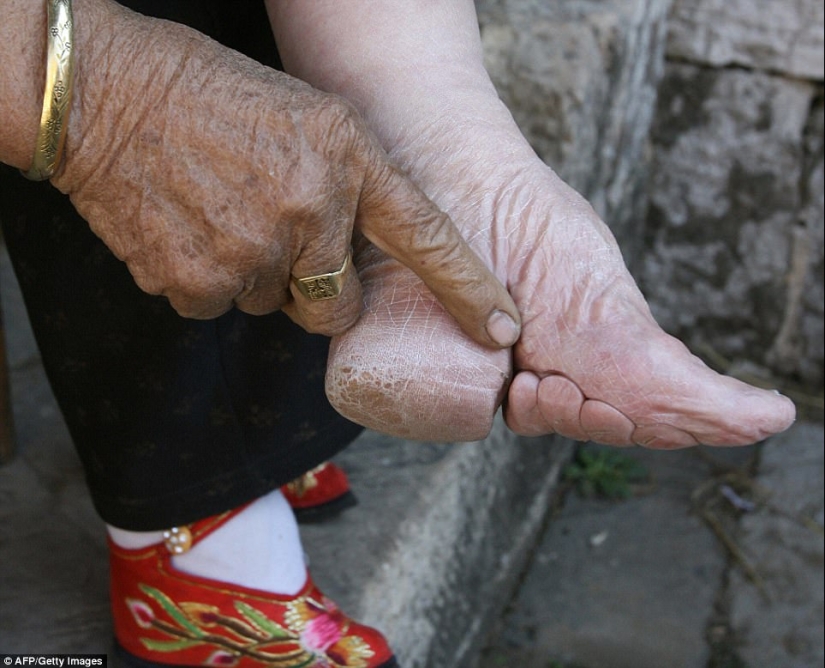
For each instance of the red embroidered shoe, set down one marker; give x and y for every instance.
(319, 494)
(164, 617)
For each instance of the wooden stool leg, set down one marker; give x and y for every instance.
(6, 421)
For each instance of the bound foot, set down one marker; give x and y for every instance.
(591, 364)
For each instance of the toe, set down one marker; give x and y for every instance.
(560, 402)
(604, 424)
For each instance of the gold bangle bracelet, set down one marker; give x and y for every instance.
(57, 96)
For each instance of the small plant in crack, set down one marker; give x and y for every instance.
(605, 473)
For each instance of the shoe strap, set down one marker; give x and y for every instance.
(181, 539)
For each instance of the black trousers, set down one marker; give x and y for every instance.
(173, 419)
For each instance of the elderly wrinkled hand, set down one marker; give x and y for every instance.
(218, 181)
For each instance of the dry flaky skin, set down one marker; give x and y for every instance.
(215, 179)
(407, 369)
(591, 362)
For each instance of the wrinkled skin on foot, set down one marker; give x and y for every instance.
(591, 362)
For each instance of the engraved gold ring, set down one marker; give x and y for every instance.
(324, 286)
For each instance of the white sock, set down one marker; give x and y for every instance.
(260, 548)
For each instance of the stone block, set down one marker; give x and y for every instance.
(784, 36)
(442, 533)
(797, 348)
(734, 236)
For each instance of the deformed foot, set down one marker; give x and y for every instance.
(591, 364)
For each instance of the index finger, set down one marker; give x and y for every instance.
(400, 220)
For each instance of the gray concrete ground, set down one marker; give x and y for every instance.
(678, 576)
(674, 577)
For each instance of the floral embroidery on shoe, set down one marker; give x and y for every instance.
(323, 630)
(314, 633)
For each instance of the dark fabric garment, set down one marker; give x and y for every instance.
(173, 419)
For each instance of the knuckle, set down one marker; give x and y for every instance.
(340, 115)
(332, 326)
(344, 323)
(341, 129)
(260, 301)
(438, 242)
(194, 294)
(336, 316)
(149, 282)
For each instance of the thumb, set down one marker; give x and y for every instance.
(400, 220)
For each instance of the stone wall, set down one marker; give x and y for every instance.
(734, 257)
(695, 128)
